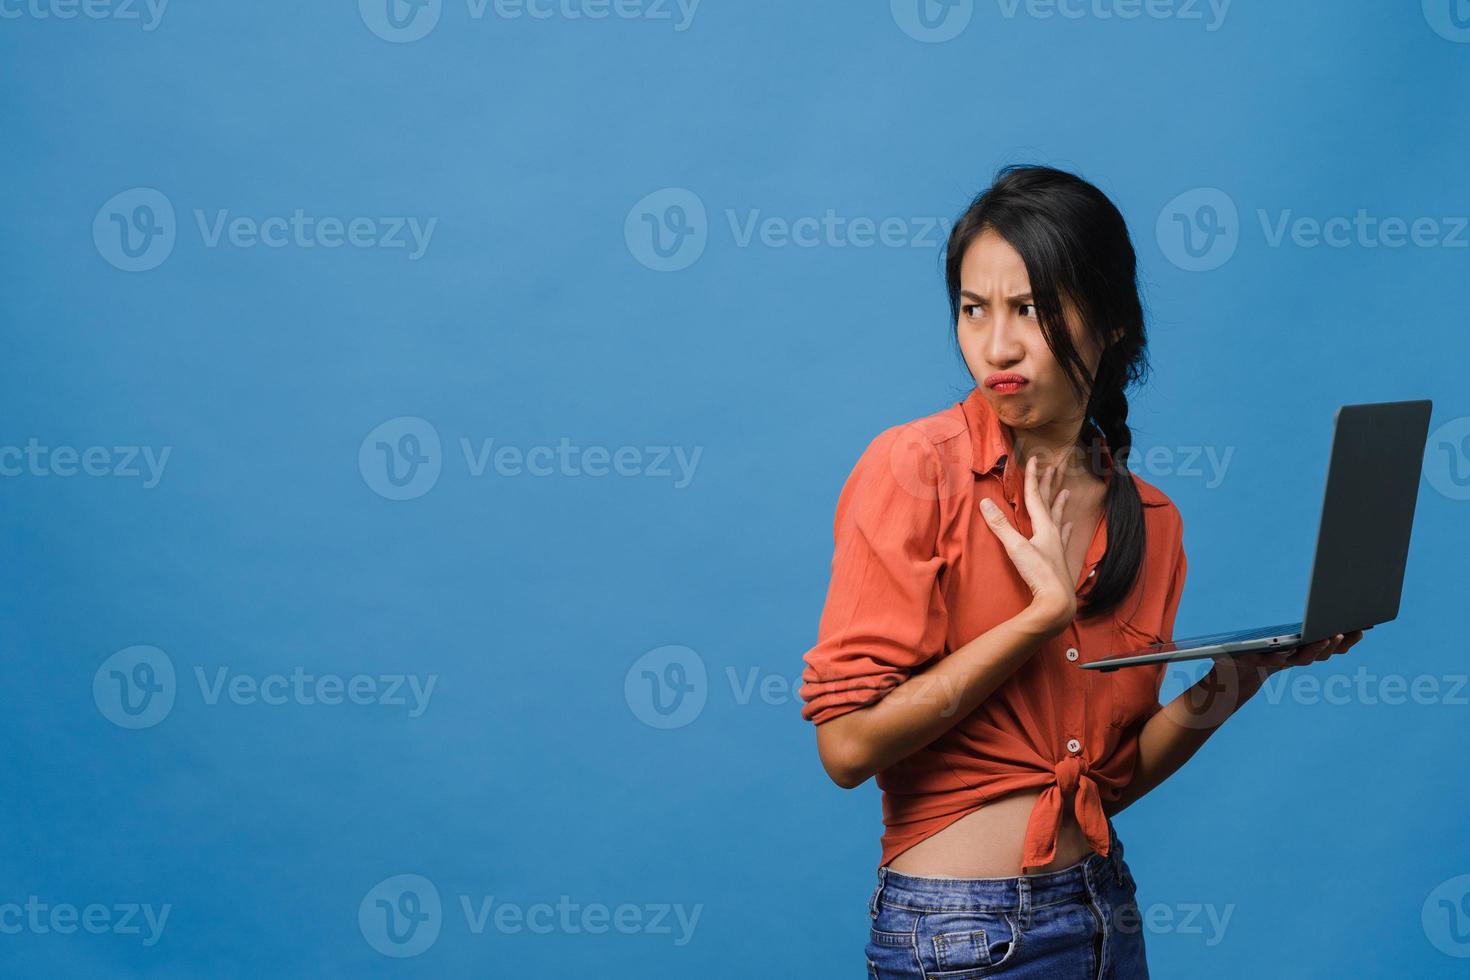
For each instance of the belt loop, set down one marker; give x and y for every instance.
(1115, 853)
(877, 892)
(1023, 894)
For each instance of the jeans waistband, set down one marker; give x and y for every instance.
(1021, 893)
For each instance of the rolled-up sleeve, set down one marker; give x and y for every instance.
(885, 615)
(1175, 592)
(1172, 595)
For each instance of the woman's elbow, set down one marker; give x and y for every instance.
(841, 753)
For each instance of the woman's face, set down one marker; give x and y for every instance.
(999, 333)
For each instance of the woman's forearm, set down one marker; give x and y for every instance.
(855, 745)
(1177, 730)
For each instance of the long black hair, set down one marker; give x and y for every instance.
(1075, 245)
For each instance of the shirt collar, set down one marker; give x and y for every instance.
(991, 447)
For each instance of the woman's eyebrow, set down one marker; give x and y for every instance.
(1018, 298)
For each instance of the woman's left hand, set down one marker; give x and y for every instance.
(1258, 666)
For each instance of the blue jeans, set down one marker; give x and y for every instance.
(1079, 923)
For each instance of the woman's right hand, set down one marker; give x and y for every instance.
(1042, 558)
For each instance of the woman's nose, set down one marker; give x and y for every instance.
(1004, 347)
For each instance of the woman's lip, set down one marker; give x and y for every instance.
(1004, 381)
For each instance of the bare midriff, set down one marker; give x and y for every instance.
(988, 842)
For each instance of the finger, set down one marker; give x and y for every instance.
(1034, 506)
(995, 519)
(1054, 475)
(1310, 652)
(1059, 505)
(1329, 647)
(1066, 533)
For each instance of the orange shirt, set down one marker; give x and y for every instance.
(916, 573)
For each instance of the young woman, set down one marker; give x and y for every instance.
(982, 554)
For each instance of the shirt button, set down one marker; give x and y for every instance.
(1074, 746)
(1072, 653)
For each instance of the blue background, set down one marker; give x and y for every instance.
(534, 316)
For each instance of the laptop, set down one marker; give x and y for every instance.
(1362, 539)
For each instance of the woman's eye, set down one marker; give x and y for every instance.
(1028, 306)
(970, 311)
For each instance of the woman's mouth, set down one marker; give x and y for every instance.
(1005, 382)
